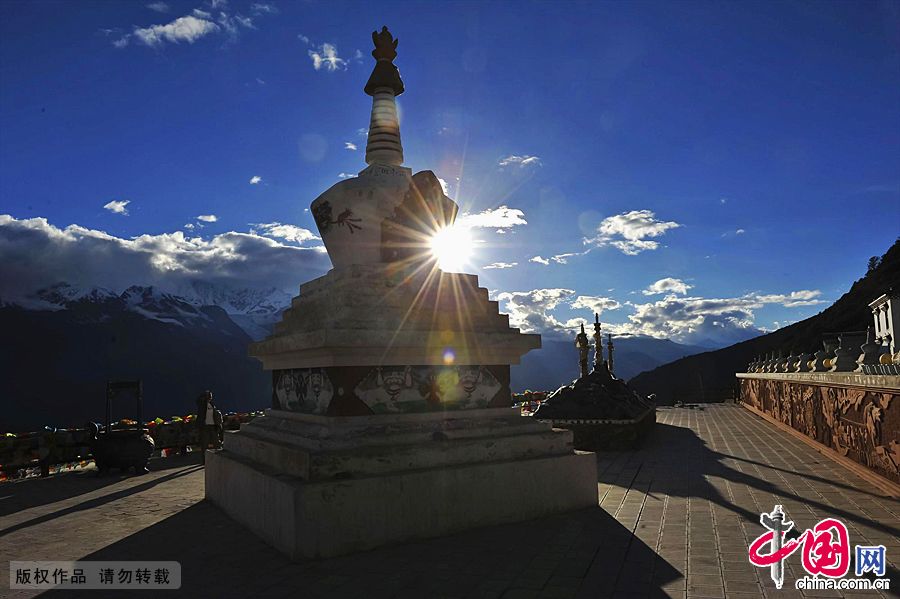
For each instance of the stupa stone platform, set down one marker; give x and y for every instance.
(330, 486)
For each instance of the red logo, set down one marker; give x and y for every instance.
(826, 547)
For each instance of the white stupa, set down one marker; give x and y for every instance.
(391, 414)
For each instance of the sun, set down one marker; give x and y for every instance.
(452, 248)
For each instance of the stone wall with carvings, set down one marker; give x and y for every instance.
(861, 423)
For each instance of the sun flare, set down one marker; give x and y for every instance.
(452, 248)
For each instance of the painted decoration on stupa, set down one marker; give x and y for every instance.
(323, 217)
(307, 390)
(426, 388)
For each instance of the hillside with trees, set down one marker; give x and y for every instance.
(709, 376)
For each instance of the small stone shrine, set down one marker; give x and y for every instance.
(391, 410)
(600, 410)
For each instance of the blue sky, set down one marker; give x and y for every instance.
(749, 152)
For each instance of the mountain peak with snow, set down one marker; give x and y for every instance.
(62, 294)
(245, 300)
(198, 303)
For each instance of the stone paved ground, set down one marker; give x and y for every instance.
(675, 520)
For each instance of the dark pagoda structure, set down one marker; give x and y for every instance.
(602, 411)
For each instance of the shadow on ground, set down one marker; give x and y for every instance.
(99, 501)
(34, 492)
(678, 463)
(222, 559)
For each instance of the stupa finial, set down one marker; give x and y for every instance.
(385, 45)
(609, 347)
(598, 342)
(383, 145)
(385, 74)
(581, 342)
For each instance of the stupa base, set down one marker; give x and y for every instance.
(599, 435)
(468, 472)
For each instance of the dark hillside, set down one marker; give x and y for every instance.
(710, 376)
(54, 365)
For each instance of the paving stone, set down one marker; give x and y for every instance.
(675, 519)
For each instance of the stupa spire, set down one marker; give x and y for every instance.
(598, 343)
(383, 144)
(609, 347)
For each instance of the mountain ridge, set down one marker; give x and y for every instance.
(709, 376)
(254, 310)
(55, 370)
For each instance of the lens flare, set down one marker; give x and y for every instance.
(449, 357)
(452, 248)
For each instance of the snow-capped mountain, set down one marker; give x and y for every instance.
(69, 341)
(99, 303)
(253, 310)
(235, 301)
(63, 294)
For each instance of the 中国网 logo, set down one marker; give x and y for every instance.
(825, 554)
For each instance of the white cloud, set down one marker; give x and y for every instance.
(739, 232)
(327, 57)
(36, 254)
(595, 304)
(558, 258)
(261, 8)
(118, 206)
(704, 321)
(531, 310)
(229, 24)
(444, 186)
(629, 231)
(189, 226)
(503, 217)
(303, 38)
(794, 299)
(255, 180)
(282, 231)
(346, 175)
(695, 319)
(564, 258)
(699, 320)
(349, 145)
(218, 3)
(208, 218)
(520, 161)
(245, 21)
(667, 285)
(183, 29)
(500, 265)
(193, 26)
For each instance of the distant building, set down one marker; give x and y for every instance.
(887, 320)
